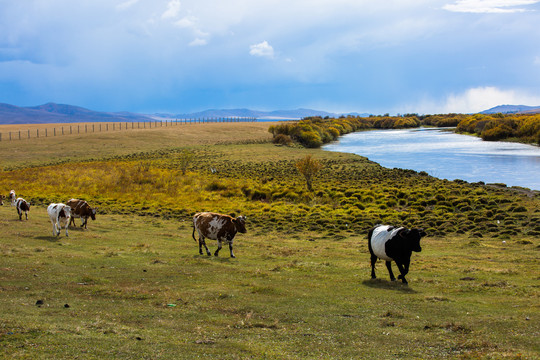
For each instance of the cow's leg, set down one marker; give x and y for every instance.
(373, 261)
(202, 241)
(67, 221)
(389, 267)
(58, 226)
(26, 214)
(218, 248)
(84, 222)
(403, 269)
(72, 221)
(200, 246)
(231, 249)
(19, 212)
(53, 228)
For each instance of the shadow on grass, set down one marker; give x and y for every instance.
(48, 238)
(389, 285)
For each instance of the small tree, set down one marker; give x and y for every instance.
(308, 167)
(184, 159)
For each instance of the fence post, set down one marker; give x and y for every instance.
(29, 133)
(46, 134)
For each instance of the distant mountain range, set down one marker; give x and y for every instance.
(513, 109)
(58, 113)
(270, 115)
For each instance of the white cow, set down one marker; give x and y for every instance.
(59, 213)
(12, 197)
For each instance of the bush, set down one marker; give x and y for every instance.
(282, 139)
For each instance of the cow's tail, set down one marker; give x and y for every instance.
(193, 233)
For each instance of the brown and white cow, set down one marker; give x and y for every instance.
(217, 227)
(59, 213)
(81, 209)
(23, 206)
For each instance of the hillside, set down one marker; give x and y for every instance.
(512, 109)
(60, 113)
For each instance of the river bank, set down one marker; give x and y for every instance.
(446, 155)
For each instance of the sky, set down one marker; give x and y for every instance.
(181, 56)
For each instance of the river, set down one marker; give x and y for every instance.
(446, 155)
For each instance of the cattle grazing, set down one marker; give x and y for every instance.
(23, 206)
(393, 244)
(12, 197)
(59, 213)
(81, 209)
(217, 227)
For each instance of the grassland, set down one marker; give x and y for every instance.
(133, 286)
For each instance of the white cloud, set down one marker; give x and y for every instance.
(126, 4)
(489, 6)
(483, 98)
(173, 8)
(198, 42)
(263, 49)
(186, 22)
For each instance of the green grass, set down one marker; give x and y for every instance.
(137, 288)
(299, 288)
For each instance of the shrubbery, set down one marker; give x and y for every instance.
(313, 132)
(502, 126)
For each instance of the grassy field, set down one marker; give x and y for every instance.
(133, 285)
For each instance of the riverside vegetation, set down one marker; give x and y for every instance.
(315, 131)
(134, 286)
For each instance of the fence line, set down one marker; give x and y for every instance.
(116, 126)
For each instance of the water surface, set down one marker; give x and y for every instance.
(447, 155)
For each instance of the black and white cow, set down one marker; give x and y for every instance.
(23, 207)
(394, 244)
(217, 227)
(59, 213)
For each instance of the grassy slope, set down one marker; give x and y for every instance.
(287, 295)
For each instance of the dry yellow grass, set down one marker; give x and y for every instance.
(97, 145)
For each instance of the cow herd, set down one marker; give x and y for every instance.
(59, 214)
(385, 242)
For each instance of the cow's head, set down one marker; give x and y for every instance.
(67, 211)
(240, 224)
(413, 237)
(93, 214)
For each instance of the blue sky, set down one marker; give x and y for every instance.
(394, 56)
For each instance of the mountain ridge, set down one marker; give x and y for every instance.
(62, 113)
(512, 109)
